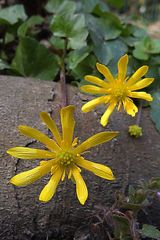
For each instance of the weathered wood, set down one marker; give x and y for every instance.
(22, 216)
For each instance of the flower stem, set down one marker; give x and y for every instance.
(64, 96)
(139, 113)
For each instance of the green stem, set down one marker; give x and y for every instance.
(139, 113)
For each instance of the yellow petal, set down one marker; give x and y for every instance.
(105, 72)
(30, 153)
(87, 107)
(51, 125)
(93, 89)
(137, 75)
(96, 81)
(141, 84)
(95, 140)
(122, 67)
(81, 188)
(39, 136)
(30, 176)
(130, 107)
(142, 95)
(98, 169)
(68, 123)
(107, 113)
(75, 142)
(49, 190)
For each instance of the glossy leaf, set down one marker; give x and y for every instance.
(31, 22)
(77, 56)
(33, 59)
(12, 14)
(155, 109)
(60, 7)
(103, 53)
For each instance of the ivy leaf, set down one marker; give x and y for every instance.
(33, 59)
(57, 42)
(150, 231)
(118, 48)
(12, 14)
(72, 27)
(103, 53)
(116, 4)
(111, 26)
(61, 8)
(139, 53)
(146, 47)
(106, 27)
(31, 22)
(95, 29)
(87, 66)
(88, 5)
(77, 56)
(155, 109)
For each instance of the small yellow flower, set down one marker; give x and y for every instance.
(63, 156)
(117, 91)
(135, 131)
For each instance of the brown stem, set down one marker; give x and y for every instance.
(64, 96)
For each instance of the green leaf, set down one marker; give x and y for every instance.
(105, 28)
(88, 5)
(95, 29)
(122, 227)
(150, 231)
(3, 65)
(77, 56)
(78, 40)
(58, 7)
(117, 4)
(155, 109)
(154, 46)
(57, 42)
(111, 25)
(138, 32)
(12, 14)
(33, 59)
(31, 22)
(72, 27)
(118, 48)
(100, 9)
(140, 54)
(130, 41)
(146, 47)
(9, 37)
(87, 66)
(103, 53)
(154, 183)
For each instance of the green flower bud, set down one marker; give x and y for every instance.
(135, 131)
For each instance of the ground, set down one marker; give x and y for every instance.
(22, 216)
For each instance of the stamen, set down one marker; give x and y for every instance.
(66, 158)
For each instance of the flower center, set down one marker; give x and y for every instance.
(119, 92)
(66, 158)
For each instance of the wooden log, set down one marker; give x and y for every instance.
(22, 216)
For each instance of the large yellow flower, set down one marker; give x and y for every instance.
(117, 91)
(63, 156)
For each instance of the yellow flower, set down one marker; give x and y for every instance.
(117, 91)
(63, 156)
